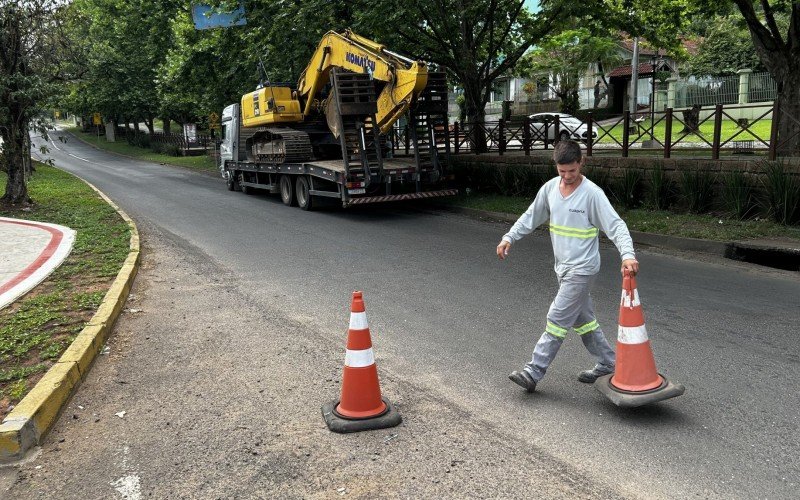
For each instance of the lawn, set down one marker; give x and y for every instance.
(37, 328)
(729, 128)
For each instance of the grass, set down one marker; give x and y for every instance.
(729, 127)
(35, 330)
(203, 162)
(708, 227)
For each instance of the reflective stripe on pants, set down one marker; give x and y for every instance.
(572, 308)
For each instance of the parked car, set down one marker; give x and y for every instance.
(569, 127)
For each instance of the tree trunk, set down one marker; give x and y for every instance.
(167, 125)
(149, 122)
(691, 120)
(475, 107)
(788, 101)
(14, 158)
(136, 125)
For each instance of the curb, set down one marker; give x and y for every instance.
(30, 420)
(718, 248)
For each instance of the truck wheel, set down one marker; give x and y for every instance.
(287, 190)
(244, 189)
(302, 193)
(231, 183)
(564, 135)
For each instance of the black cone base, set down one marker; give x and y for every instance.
(626, 399)
(344, 425)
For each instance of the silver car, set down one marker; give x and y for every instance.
(569, 127)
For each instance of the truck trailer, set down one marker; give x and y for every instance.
(327, 137)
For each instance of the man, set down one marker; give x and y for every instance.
(576, 209)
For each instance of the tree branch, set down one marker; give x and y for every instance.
(763, 40)
(770, 18)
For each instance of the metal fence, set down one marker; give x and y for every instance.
(174, 144)
(659, 133)
(710, 91)
(762, 88)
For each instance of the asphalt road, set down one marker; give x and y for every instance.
(450, 321)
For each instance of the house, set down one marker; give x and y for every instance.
(530, 96)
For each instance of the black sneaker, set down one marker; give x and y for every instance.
(589, 376)
(523, 379)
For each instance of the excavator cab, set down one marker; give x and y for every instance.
(270, 105)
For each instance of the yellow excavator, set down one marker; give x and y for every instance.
(331, 136)
(289, 119)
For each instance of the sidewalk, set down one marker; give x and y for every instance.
(29, 252)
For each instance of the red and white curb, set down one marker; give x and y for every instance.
(29, 252)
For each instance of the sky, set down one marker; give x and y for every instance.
(532, 5)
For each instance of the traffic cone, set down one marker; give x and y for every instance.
(361, 406)
(635, 381)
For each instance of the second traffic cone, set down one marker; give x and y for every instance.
(635, 381)
(361, 406)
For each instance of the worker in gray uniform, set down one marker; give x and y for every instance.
(576, 209)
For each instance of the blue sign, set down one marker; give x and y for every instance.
(208, 17)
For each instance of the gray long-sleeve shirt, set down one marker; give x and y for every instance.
(575, 222)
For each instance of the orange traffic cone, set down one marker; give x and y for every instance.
(636, 381)
(361, 406)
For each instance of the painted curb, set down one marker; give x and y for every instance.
(33, 417)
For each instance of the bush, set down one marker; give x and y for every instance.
(171, 149)
(661, 189)
(781, 193)
(519, 180)
(738, 195)
(601, 177)
(697, 188)
(627, 189)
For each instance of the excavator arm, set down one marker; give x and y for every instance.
(404, 78)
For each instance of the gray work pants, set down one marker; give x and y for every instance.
(572, 308)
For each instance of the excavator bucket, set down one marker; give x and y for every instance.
(332, 114)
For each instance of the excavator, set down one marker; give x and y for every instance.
(348, 98)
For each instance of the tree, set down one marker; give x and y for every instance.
(128, 43)
(725, 49)
(779, 51)
(475, 41)
(564, 58)
(32, 60)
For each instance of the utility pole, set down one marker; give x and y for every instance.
(632, 106)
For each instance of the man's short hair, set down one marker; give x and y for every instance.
(567, 152)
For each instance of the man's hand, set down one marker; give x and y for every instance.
(631, 265)
(502, 249)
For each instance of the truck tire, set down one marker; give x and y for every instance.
(302, 188)
(231, 183)
(564, 135)
(244, 189)
(287, 190)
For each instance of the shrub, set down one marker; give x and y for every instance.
(661, 189)
(782, 193)
(738, 195)
(627, 189)
(171, 149)
(601, 177)
(519, 180)
(697, 188)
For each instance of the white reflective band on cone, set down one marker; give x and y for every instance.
(359, 359)
(632, 334)
(626, 299)
(358, 321)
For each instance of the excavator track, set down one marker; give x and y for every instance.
(281, 145)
